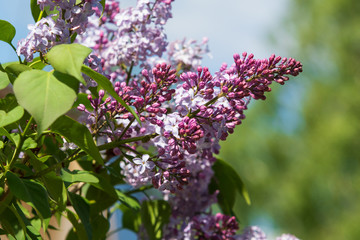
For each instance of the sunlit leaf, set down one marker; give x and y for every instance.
(69, 58)
(48, 99)
(78, 176)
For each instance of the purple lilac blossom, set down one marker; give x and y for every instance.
(56, 28)
(184, 117)
(128, 36)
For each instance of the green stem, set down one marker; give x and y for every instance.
(126, 128)
(16, 53)
(71, 158)
(21, 142)
(40, 15)
(129, 73)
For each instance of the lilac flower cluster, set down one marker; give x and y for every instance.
(125, 37)
(70, 18)
(184, 110)
(188, 122)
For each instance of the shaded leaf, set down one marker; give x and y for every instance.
(227, 181)
(79, 134)
(68, 58)
(129, 201)
(32, 193)
(14, 70)
(48, 99)
(80, 230)
(154, 215)
(82, 208)
(130, 219)
(7, 118)
(7, 31)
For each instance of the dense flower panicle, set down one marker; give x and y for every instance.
(47, 32)
(128, 36)
(218, 227)
(44, 34)
(185, 110)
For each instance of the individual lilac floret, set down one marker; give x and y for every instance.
(143, 164)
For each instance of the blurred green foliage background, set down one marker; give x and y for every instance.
(299, 151)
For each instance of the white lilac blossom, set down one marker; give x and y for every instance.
(142, 164)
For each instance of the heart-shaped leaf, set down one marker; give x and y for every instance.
(10, 117)
(7, 31)
(68, 58)
(44, 96)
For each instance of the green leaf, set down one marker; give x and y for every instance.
(44, 96)
(8, 103)
(100, 226)
(36, 63)
(15, 69)
(53, 183)
(154, 215)
(99, 199)
(7, 31)
(78, 134)
(5, 133)
(32, 193)
(80, 230)
(130, 219)
(7, 118)
(82, 208)
(227, 181)
(4, 80)
(129, 201)
(106, 85)
(68, 58)
(78, 176)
